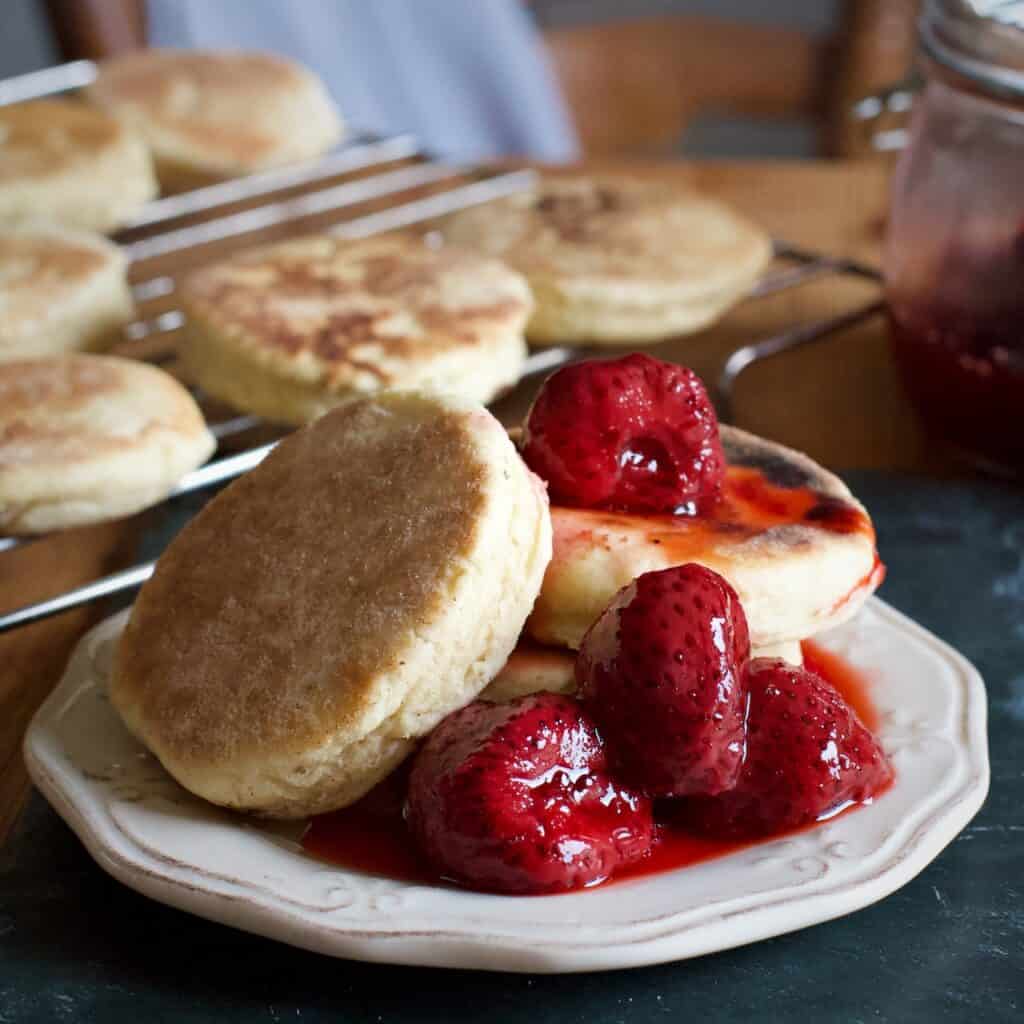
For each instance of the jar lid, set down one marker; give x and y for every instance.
(982, 40)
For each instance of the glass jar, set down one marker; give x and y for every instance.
(954, 261)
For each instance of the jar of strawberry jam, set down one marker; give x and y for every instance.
(955, 254)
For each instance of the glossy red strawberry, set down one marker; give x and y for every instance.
(516, 798)
(632, 434)
(660, 671)
(808, 756)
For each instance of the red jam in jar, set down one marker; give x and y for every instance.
(954, 263)
(963, 367)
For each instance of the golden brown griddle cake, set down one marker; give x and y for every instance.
(84, 438)
(291, 330)
(214, 114)
(331, 606)
(70, 164)
(60, 291)
(613, 260)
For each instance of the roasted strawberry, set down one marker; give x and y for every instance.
(516, 798)
(808, 757)
(661, 673)
(632, 434)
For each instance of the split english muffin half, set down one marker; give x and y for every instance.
(791, 539)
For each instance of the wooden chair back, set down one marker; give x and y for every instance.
(94, 29)
(633, 86)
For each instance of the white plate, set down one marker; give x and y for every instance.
(153, 836)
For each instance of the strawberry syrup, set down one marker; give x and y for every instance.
(845, 678)
(750, 505)
(371, 836)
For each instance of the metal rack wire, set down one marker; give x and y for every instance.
(271, 201)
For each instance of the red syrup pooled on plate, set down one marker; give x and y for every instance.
(371, 835)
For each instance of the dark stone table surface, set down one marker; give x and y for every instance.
(77, 946)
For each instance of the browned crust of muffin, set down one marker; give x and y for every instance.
(41, 401)
(782, 466)
(334, 304)
(614, 228)
(51, 259)
(170, 86)
(274, 615)
(43, 137)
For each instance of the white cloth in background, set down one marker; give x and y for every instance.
(469, 78)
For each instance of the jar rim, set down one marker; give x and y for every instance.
(982, 42)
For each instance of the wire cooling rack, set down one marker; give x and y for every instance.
(370, 184)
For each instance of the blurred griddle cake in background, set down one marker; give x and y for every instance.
(613, 259)
(60, 291)
(61, 160)
(210, 115)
